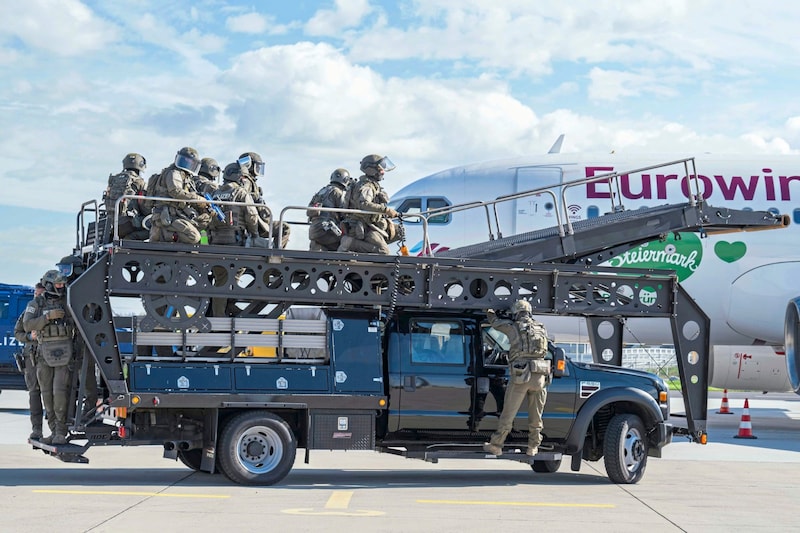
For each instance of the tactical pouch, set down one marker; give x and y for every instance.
(540, 366)
(164, 217)
(56, 352)
(520, 372)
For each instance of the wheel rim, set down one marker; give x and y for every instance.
(633, 452)
(259, 449)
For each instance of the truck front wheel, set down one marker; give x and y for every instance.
(625, 449)
(256, 448)
(546, 467)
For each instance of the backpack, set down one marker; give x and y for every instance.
(533, 336)
(120, 185)
(152, 185)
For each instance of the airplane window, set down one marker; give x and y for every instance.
(410, 205)
(437, 203)
(796, 216)
(592, 211)
(774, 211)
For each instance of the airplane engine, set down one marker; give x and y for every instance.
(761, 368)
(792, 337)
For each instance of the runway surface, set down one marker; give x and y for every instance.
(728, 485)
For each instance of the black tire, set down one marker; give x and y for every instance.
(256, 448)
(546, 467)
(625, 449)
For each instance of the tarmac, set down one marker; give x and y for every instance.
(730, 484)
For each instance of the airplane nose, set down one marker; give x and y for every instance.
(758, 300)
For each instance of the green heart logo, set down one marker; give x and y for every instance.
(730, 252)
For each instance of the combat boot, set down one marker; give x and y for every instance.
(492, 448)
(531, 451)
(47, 440)
(36, 434)
(59, 439)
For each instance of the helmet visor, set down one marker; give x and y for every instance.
(188, 164)
(65, 269)
(386, 164)
(245, 162)
(259, 168)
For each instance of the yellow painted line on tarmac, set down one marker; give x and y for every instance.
(520, 504)
(131, 493)
(337, 505)
(340, 499)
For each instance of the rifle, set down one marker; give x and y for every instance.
(214, 207)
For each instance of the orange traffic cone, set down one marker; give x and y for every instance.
(723, 408)
(745, 429)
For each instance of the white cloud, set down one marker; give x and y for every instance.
(331, 22)
(61, 27)
(247, 23)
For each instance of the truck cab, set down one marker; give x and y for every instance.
(13, 299)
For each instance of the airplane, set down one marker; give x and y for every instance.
(745, 281)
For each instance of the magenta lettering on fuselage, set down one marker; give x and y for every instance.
(654, 186)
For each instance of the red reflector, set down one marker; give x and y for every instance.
(123, 432)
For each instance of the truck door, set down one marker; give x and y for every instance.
(435, 378)
(559, 410)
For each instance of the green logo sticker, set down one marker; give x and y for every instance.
(648, 296)
(730, 252)
(682, 255)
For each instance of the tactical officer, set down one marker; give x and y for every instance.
(28, 342)
(47, 316)
(370, 233)
(132, 211)
(240, 222)
(179, 221)
(253, 167)
(71, 267)
(207, 177)
(528, 374)
(324, 232)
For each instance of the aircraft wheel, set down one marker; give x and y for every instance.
(256, 448)
(625, 449)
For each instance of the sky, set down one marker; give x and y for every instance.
(312, 86)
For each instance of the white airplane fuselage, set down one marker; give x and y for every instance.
(743, 281)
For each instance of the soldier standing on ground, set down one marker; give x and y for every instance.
(324, 231)
(370, 233)
(28, 342)
(528, 374)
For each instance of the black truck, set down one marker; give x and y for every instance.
(341, 351)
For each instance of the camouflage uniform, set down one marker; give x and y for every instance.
(31, 383)
(323, 231)
(48, 316)
(174, 221)
(522, 383)
(369, 233)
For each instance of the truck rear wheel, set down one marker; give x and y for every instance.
(625, 449)
(546, 467)
(256, 448)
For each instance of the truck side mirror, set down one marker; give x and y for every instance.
(559, 363)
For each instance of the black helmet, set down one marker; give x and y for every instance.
(233, 172)
(375, 165)
(70, 267)
(341, 175)
(188, 159)
(51, 280)
(209, 168)
(252, 164)
(134, 161)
